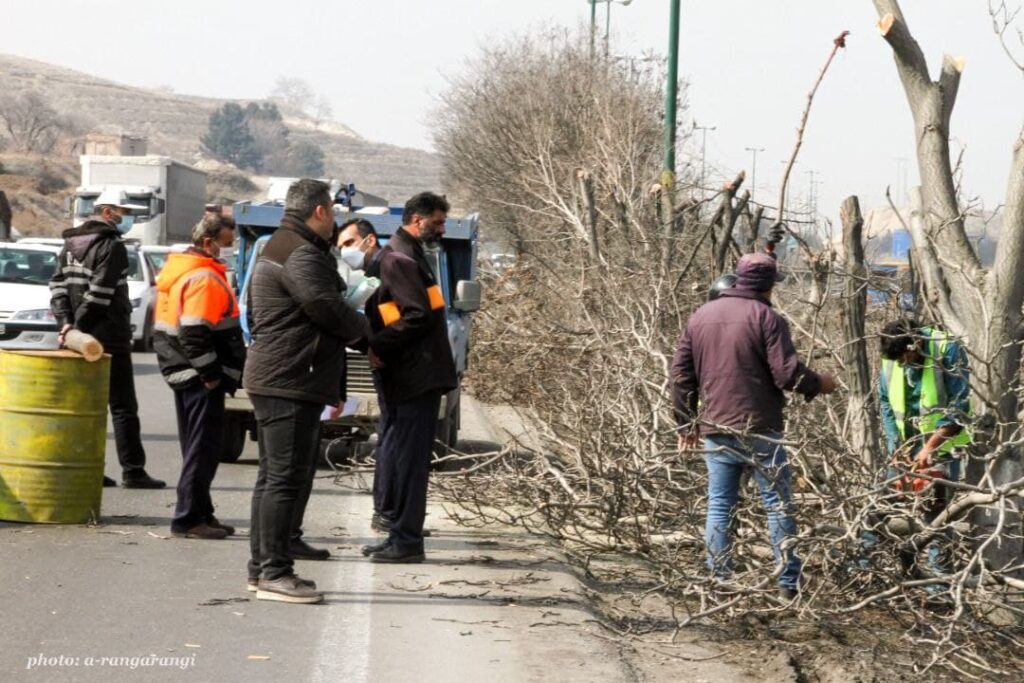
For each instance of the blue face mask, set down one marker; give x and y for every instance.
(126, 224)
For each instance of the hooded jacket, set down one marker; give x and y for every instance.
(89, 288)
(197, 336)
(737, 356)
(299, 320)
(410, 329)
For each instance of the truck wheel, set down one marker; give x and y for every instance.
(234, 437)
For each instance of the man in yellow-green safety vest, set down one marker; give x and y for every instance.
(924, 399)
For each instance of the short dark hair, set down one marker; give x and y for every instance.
(363, 227)
(898, 337)
(305, 195)
(424, 204)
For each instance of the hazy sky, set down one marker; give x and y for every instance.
(750, 64)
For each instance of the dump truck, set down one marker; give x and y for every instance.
(454, 265)
(173, 193)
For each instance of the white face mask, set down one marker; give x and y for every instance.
(353, 257)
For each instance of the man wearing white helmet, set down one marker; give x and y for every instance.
(89, 292)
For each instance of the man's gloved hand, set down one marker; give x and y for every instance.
(776, 233)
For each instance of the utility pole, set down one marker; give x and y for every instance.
(753, 169)
(703, 151)
(668, 175)
(593, 26)
(671, 86)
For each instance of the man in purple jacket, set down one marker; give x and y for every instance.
(736, 357)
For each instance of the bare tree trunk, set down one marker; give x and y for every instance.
(862, 411)
(984, 308)
(590, 209)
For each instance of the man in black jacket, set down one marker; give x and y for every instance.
(410, 348)
(296, 364)
(89, 292)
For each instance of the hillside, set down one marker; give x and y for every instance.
(173, 124)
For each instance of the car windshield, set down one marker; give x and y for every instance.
(158, 259)
(134, 266)
(26, 265)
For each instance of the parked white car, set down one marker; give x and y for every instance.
(142, 293)
(141, 286)
(26, 321)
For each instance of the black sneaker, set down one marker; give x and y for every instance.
(288, 589)
(397, 555)
(108, 482)
(142, 481)
(217, 524)
(300, 550)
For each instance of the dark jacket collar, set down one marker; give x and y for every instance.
(408, 244)
(736, 293)
(291, 221)
(92, 226)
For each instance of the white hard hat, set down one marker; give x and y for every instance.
(117, 198)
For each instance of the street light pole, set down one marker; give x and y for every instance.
(593, 26)
(753, 169)
(703, 151)
(671, 93)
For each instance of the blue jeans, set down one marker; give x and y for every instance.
(726, 458)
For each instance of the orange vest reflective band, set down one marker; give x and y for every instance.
(436, 297)
(389, 313)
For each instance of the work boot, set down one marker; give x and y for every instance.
(253, 582)
(395, 554)
(300, 550)
(375, 547)
(202, 530)
(288, 589)
(216, 524)
(108, 482)
(141, 480)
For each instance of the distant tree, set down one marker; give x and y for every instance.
(295, 93)
(32, 124)
(322, 110)
(228, 137)
(307, 159)
(269, 135)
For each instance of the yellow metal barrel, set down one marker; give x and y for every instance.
(53, 424)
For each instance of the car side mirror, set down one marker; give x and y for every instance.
(159, 206)
(467, 296)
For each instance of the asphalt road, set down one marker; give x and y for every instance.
(123, 601)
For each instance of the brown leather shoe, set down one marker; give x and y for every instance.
(204, 531)
(288, 589)
(217, 524)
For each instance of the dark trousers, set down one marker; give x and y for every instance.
(288, 435)
(383, 467)
(410, 440)
(307, 490)
(124, 413)
(201, 433)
